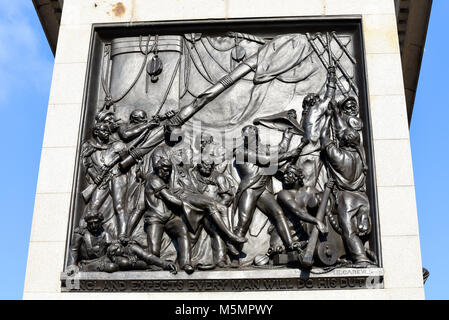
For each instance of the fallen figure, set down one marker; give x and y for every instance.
(132, 257)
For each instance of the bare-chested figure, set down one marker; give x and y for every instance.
(314, 110)
(298, 199)
(160, 217)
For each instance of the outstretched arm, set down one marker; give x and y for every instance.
(264, 160)
(289, 202)
(224, 190)
(186, 112)
(128, 134)
(331, 84)
(286, 139)
(157, 187)
(168, 196)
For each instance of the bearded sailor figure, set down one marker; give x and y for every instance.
(346, 165)
(215, 184)
(195, 204)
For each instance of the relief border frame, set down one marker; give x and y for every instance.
(131, 28)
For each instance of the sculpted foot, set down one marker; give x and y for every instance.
(296, 246)
(364, 264)
(237, 239)
(232, 250)
(188, 269)
(221, 264)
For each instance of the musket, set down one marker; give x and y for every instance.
(87, 193)
(307, 257)
(144, 135)
(188, 111)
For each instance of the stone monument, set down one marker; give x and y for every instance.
(225, 149)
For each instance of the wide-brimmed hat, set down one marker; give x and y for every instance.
(346, 100)
(100, 116)
(281, 121)
(93, 216)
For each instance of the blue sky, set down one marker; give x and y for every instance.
(429, 138)
(26, 64)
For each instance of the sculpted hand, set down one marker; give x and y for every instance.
(154, 120)
(169, 114)
(322, 228)
(287, 133)
(98, 179)
(331, 75)
(70, 272)
(295, 152)
(331, 108)
(171, 267)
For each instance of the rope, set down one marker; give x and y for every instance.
(192, 94)
(140, 71)
(343, 71)
(187, 67)
(210, 55)
(169, 86)
(246, 36)
(103, 80)
(196, 66)
(317, 52)
(343, 47)
(202, 62)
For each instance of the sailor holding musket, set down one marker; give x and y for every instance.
(101, 156)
